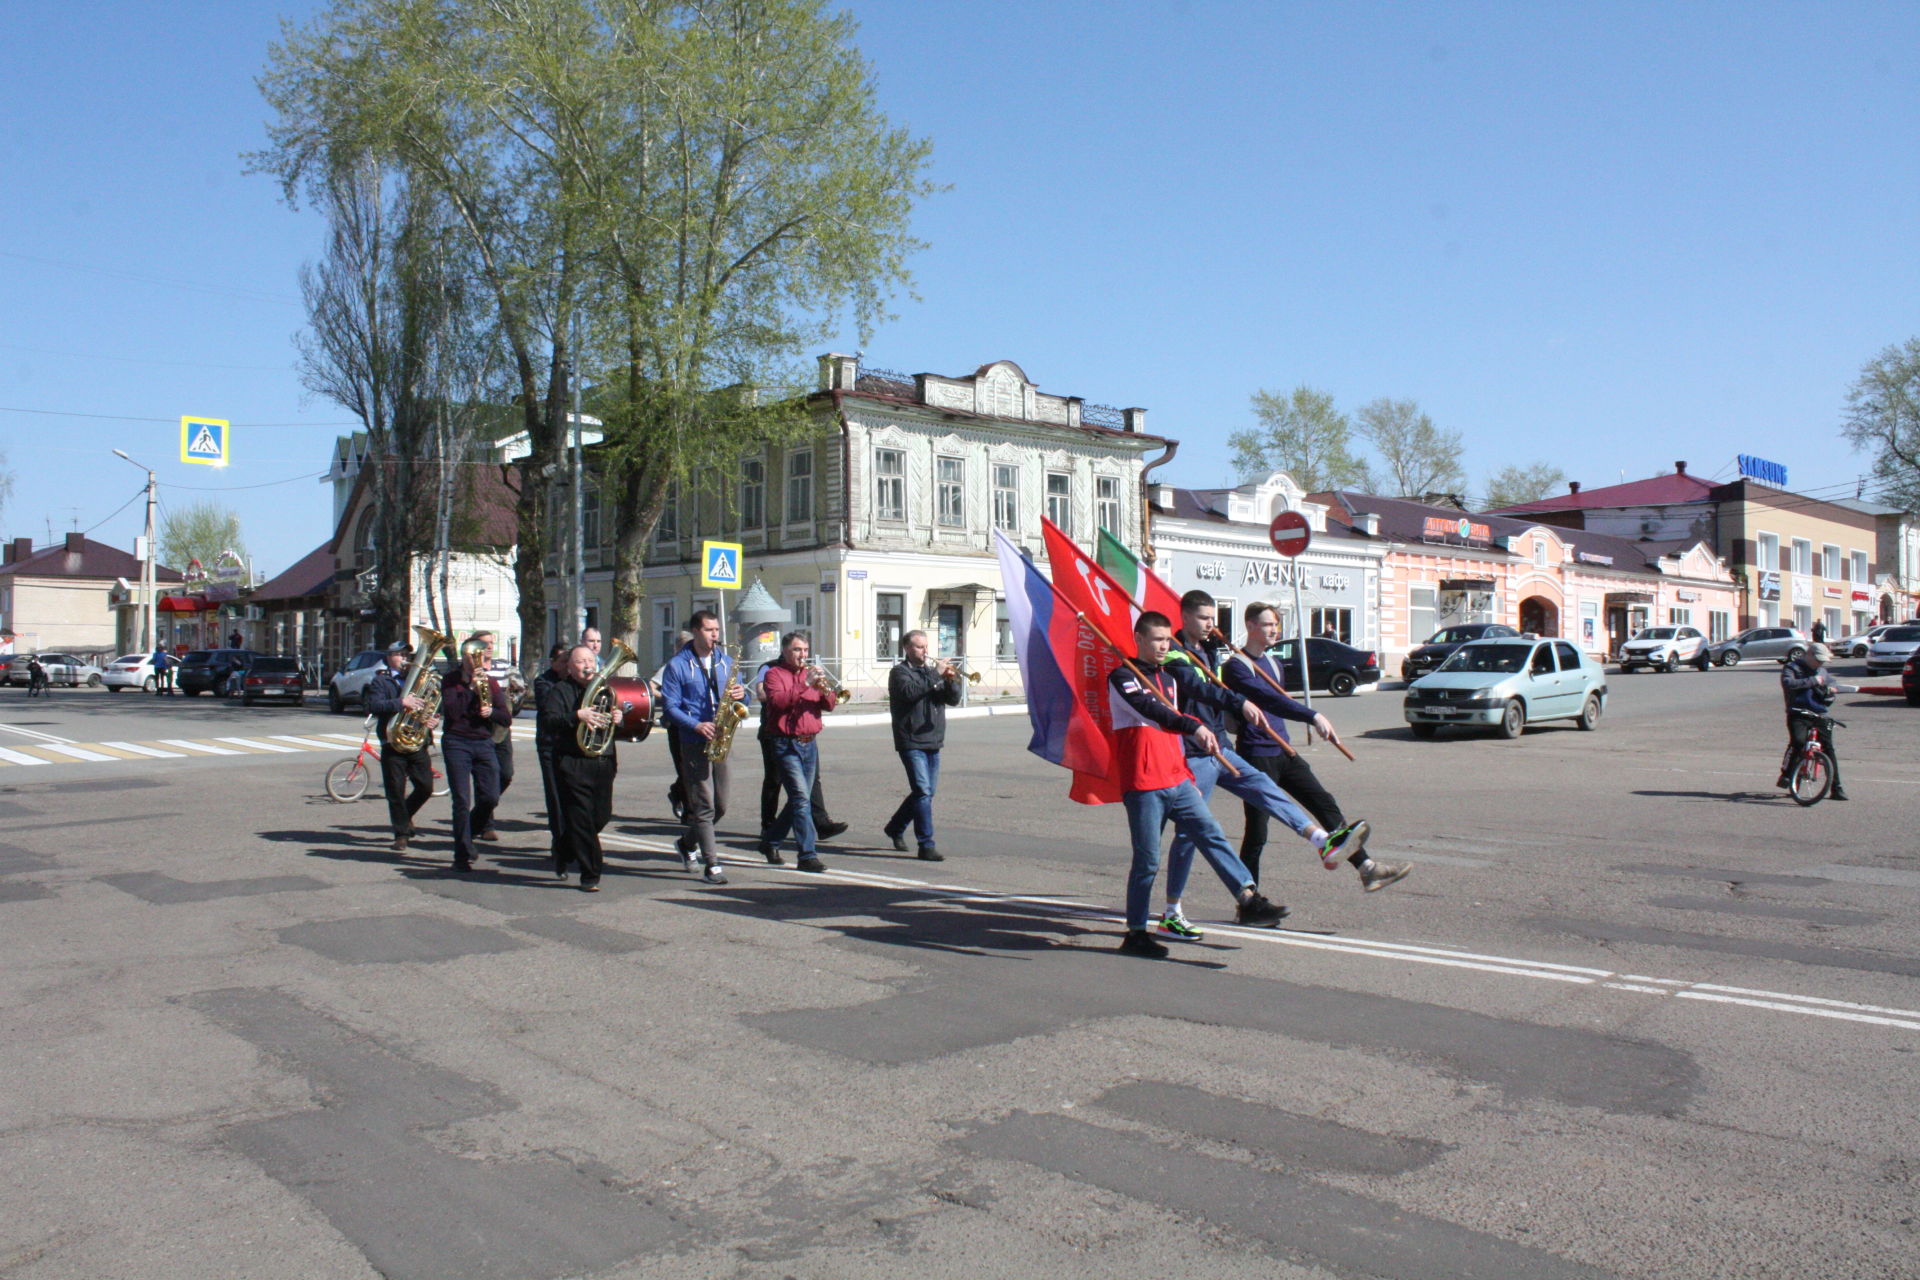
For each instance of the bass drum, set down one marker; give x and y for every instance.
(633, 709)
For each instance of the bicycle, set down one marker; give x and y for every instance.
(347, 779)
(1811, 777)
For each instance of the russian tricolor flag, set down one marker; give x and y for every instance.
(1064, 667)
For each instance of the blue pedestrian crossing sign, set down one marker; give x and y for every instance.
(720, 564)
(204, 441)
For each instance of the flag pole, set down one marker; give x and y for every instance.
(1128, 663)
(1281, 690)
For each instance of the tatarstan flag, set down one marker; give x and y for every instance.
(1143, 584)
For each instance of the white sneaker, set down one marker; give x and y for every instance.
(714, 873)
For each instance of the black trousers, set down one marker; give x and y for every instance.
(771, 792)
(1293, 775)
(556, 813)
(585, 784)
(676, 790)
(473, 779)
(503, 752)
(396, 772)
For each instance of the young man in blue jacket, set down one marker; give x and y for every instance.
(1809, 687)
(694, 685)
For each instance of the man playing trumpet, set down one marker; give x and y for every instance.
(472, 704)
(918, 695)
(797, 696)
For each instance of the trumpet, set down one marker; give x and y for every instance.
(821, 680)
(948, 671)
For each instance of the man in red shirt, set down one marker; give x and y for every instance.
(796, 699)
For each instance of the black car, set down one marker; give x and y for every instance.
(208, 670)
(271, 679)
(1441, 644)
(1338, 668)
(1910, 682)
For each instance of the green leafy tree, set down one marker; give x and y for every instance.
(1303, 434)
(1883, 417)
(200, 532)
(1514, 484)
(1417, 458)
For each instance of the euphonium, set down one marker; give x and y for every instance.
(598, 740)
(726, 719)
(407, 732)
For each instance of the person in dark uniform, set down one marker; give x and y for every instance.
(502, 742)
(471, 704)
(398, 768)
(918, 695)
(584, 782)
(556, 671)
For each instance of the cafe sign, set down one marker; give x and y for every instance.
(1446, 529)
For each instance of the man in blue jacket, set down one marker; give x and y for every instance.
(695, 684)
(1810, 688)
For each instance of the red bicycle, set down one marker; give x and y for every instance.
(347, 779)
(1810, 777)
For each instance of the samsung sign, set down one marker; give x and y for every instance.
(1765, 472)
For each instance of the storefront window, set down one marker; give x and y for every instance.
(890, 624)
(1420, 614)
(1002, 633)
(1719, 625)
(1332, 623)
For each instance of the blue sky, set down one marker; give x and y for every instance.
(1605, 236)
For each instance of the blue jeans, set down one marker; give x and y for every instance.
(797, 762)
(1147, 813)
(473, 783)
(923, 778)
(1252, 786)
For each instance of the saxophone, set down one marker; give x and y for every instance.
(408, 731)
(597, 741)
(726, 719)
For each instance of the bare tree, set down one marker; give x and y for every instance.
(1417, 458)
(1883, 416)
(1513, 484)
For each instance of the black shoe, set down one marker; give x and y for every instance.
(590, 886)
(1257, 911)
(771, 854)
(812, 864)
(828, 830)
(561, 874)
(899, 839)
(463, 864)
(930, 854)
(1836, 794)
(1139, 942)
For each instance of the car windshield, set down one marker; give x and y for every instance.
(130, 660)
(275, 664)
(1898, 635)
(1504, 659)
(1656, 633)
(1452, 635)
(198, 655)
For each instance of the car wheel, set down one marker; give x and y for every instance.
(1590, 714)
(149, 686)
(93, 682)
(1423, 730)
(1730, 658)
(1341, 684)
(1703, 662)
(1913, 699)
(1859, 651)
(1796, 653)
(1627, 668)
(335, 703)
(1672, 664)
(1513, 720)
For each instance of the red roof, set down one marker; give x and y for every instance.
(308, 576)
(1659, 491)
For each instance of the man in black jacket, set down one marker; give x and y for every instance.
(556, 671)
(398, 769)
(585, 782)
(918, 695)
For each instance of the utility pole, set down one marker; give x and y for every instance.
(579, 595)
(147, 576)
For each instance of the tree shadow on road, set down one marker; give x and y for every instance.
(1728, 797)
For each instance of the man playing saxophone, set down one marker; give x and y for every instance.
(583, 782)
(797, 696)
(472, 703)
(696, 687)
(387, 698)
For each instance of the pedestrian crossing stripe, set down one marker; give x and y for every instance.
(38, 753)
(204, 441)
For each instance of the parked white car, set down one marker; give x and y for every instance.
(349, 684)
(129, 671)
(1857, 646)
(1895, 645)
(1664, 649)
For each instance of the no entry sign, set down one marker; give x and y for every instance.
(1289, 533)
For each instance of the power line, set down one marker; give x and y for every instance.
(230, 488)
(175, 364)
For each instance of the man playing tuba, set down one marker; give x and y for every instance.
(583, 782)
(472, 703)
(387, 697)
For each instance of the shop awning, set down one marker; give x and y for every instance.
(1466, 584)
(184, 604)
(962, 589)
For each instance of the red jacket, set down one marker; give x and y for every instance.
(794, 706)
(1148, 731)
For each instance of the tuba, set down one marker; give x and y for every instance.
(594, 740)
(726, 718)
(408, 731)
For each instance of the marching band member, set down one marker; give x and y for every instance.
(557, 670)
(772, 812)
(918, 695)
(796, 698)
(472, 704)
(694, 685)
(399, 768)
(584, 782)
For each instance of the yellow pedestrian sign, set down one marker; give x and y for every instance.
(720, 564)
(204, 441)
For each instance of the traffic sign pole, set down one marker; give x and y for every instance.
(1290, 534)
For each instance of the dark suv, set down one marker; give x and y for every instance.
(207, 670)
(1441, 644)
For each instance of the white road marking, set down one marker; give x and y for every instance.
(137, 749)
(307, 744)
(20, 757)
(34, 734)
(78, 753)
(262, 746)
(207, 747)
(354, 738)
(1410, 953)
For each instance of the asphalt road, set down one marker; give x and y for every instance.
(1634, 1014)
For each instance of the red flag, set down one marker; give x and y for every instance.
(1108, 606)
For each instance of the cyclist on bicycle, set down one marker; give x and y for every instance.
(1809, 689)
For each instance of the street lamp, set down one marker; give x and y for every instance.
(146, 565)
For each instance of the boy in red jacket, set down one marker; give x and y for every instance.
(1148, 726)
